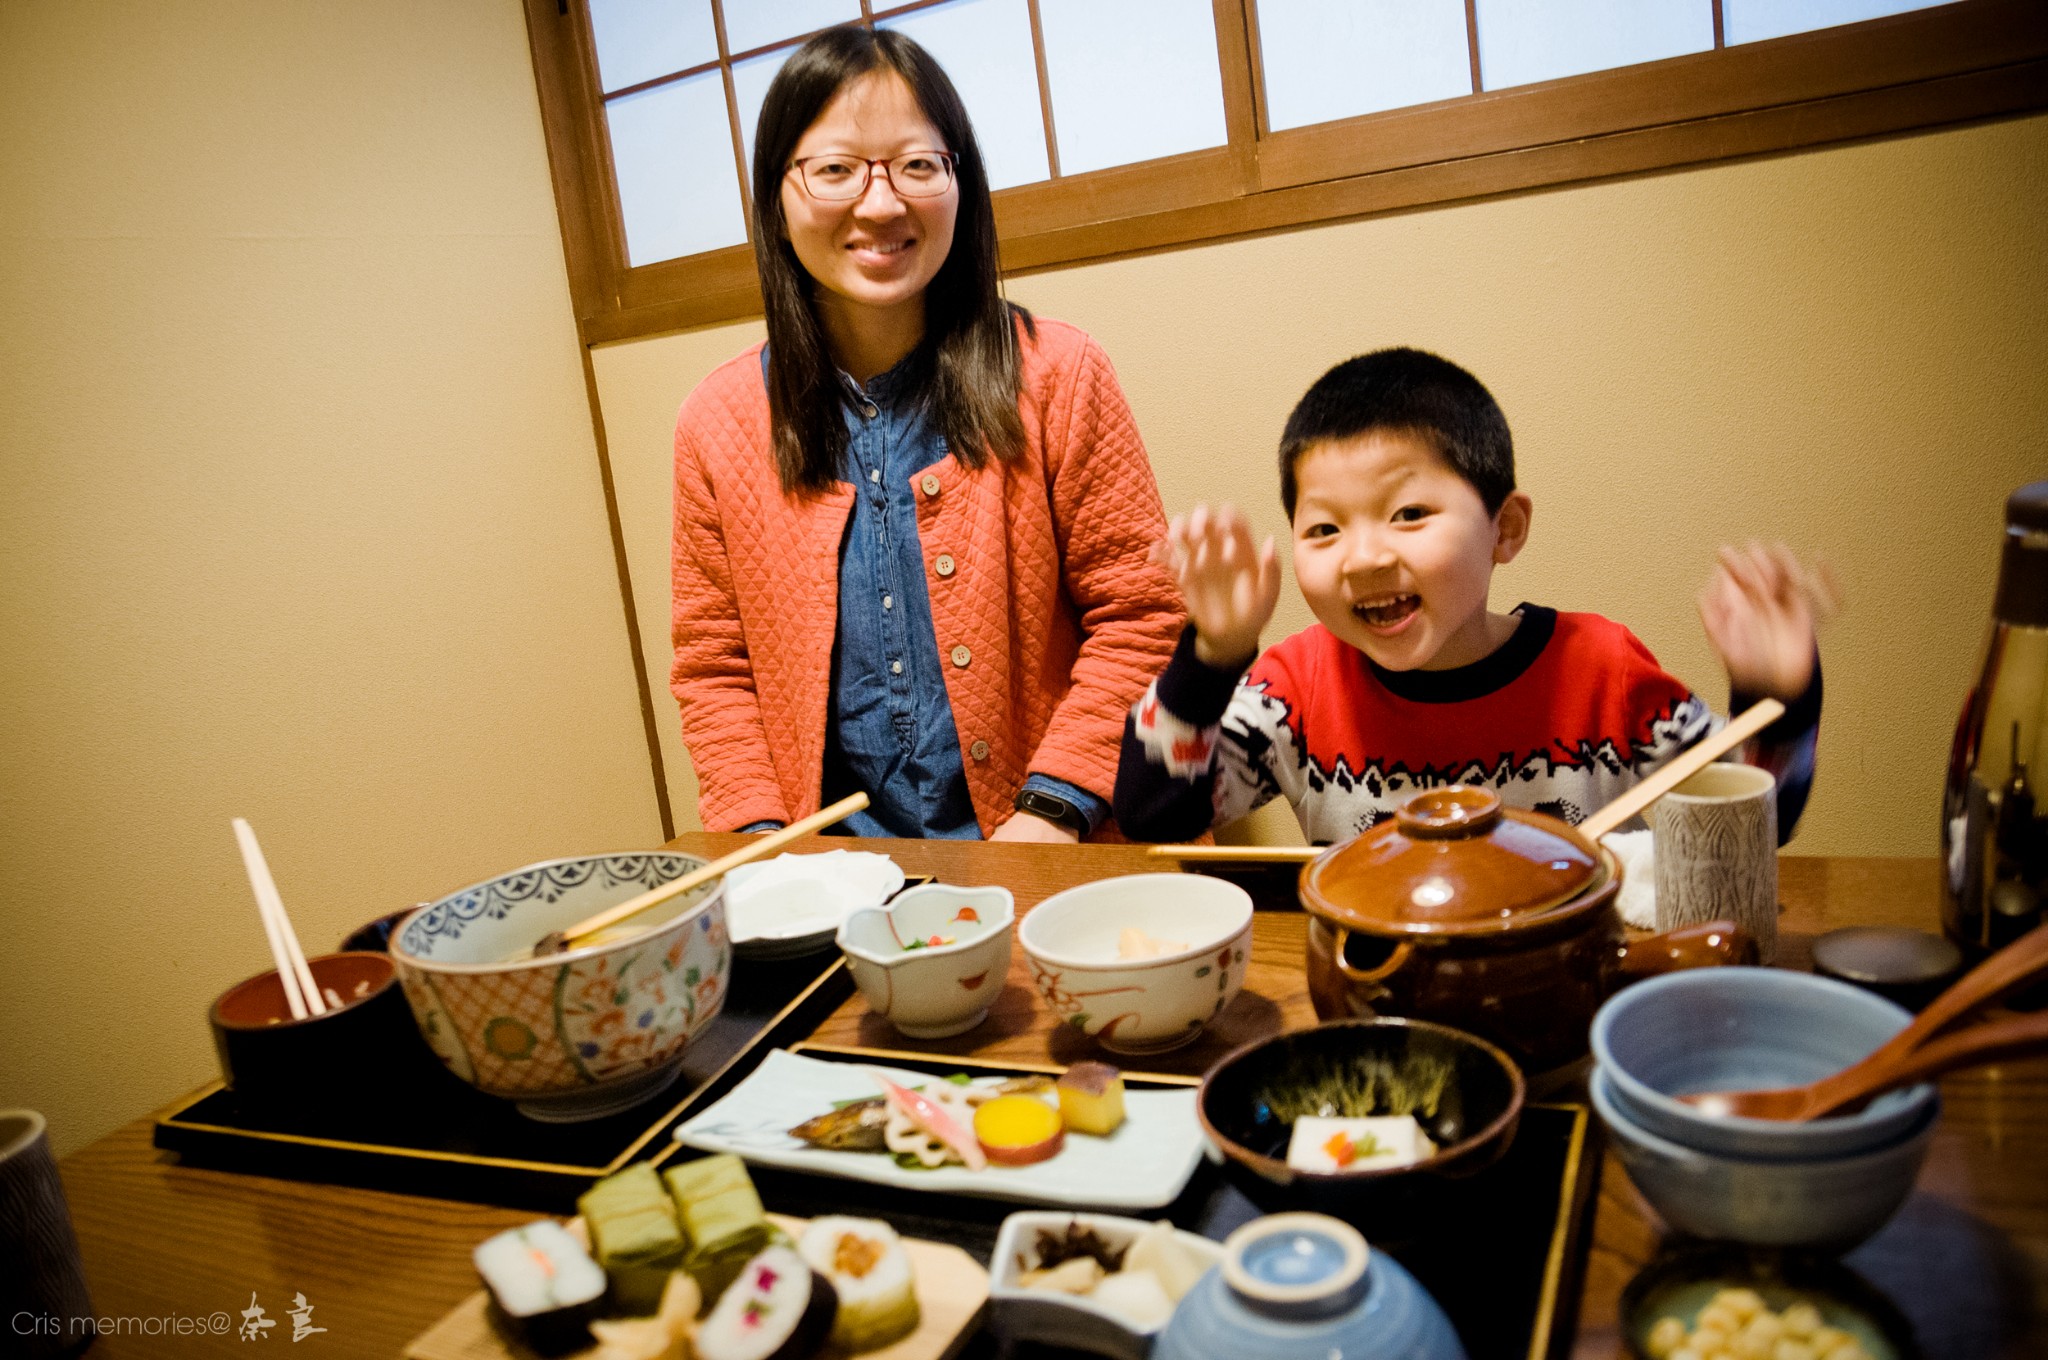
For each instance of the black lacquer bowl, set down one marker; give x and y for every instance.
(1466, 1094)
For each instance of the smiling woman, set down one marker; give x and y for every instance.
(912, 529)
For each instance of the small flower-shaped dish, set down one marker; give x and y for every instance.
(1075, 942)
(1076, 1321)
(933, 960)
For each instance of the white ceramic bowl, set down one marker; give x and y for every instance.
(932, 991)
(1056, 1319)
(570, 1036)
(1142, 1005)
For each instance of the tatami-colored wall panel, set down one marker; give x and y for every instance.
(1840, 348)
(300, 511)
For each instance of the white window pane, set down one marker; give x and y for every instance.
(750, 80)
(985, 46)
(1744, 21)
(756, 23)
(672, 149)
(1522, 41)
(640, 39)
(1131, 81)
(1329, 59)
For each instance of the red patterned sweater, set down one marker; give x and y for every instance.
(1564, 717)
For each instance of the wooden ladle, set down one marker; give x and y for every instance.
(1914, 1054)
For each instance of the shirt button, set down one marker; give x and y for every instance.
(895, 668)
(961, 656)
(874, 474)
(870, 410)
(944, 566)
(888, 602)
(979, 750)
(930, 485)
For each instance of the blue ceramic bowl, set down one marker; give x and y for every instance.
(1826, 1203)
(1745, 1029)
(1306, 1287)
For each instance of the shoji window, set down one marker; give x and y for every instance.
(1119, 125)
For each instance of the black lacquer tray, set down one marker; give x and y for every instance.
(1507, 1270)
(455, 1142)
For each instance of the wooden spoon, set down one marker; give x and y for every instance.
(555, 941)
(1687, 764)
(2013, 967)
(1971, 1046)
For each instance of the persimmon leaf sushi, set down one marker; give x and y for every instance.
(544, 1288)
(870, 1272)
(634, 1235)
(778, 1309)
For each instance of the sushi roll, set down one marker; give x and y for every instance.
(870, 1272)
(543, 1285)
(778, 1309)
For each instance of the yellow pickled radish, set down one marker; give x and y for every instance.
(1018, 1130)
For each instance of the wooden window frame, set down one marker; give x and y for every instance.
(1969, 60)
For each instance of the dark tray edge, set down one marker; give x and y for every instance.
(550, 1186)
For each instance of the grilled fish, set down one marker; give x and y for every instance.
(858, 1125)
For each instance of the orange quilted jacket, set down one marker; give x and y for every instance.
(1050, 619)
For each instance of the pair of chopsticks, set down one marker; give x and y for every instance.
(300, 991)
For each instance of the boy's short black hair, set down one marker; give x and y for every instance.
(1413, 391)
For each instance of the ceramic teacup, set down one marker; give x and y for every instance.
(933, 960)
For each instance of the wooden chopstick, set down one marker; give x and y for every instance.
(764, 845)
(300, 992)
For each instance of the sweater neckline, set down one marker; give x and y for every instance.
(1488, 675)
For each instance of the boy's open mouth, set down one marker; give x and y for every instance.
(1387, 613)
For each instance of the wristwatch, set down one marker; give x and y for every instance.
(1054, 809)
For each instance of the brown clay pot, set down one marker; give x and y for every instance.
(1491, 919)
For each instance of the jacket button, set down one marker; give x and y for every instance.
(961, 656)
(930, 484)
(979, 750)
(944, 565)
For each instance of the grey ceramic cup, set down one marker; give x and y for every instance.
(1717, 852)
(43, 1303)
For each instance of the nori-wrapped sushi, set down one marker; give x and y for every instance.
(543, 1286)
(778, 1309)
(871, 1274)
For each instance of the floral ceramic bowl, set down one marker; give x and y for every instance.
(933, 959)
(577, 1035)
(1080, 943)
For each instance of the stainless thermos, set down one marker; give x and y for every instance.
(1994, 837)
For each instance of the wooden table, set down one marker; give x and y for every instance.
(1967, 1258)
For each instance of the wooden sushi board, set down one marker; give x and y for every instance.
(951, 1289)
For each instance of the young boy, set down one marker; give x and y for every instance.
(1397, 471)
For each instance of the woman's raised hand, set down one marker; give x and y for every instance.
(1230, 587)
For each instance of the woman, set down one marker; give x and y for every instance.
(912, 531)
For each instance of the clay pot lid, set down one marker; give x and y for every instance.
(1451, 859)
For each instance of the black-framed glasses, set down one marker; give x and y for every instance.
(914, 174)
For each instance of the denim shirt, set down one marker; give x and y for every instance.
(889, 730)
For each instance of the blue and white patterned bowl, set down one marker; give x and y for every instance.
(570, 1036)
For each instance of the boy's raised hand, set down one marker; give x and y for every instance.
(1230, 586)
(1761, 609)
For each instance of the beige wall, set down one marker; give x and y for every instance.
(1843, 349)
(300, 517)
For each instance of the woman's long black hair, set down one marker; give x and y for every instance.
(968, 366)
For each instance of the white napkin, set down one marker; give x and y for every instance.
(791, 896)
(1637, 852)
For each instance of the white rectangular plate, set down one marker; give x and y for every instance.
(1143, 1165)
